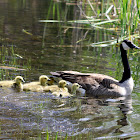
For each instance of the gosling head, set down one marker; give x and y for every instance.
(43, 79)
(74, 87)
(62, 83)
(127, 44)
(19, 79)
(51, 81)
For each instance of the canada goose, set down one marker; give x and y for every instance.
(16, 83)
(36, 86)
(100, 85)
(64, 93)
(61, 86)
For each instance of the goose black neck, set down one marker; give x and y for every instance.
(127, 72)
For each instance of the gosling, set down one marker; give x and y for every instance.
(37, 86)
(52, 81)
(62, 93)
(15, 84)
(61, 86)
(75, 87)
(78, 88)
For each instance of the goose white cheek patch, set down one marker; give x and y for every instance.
(125, 46)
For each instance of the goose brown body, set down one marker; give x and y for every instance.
(93, 83)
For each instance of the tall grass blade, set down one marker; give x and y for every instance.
(66, 137)
(47, 135)
(45, 26)
(92, 7)
(105, 22)
(56, 136)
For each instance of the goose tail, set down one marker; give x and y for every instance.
(55, 74)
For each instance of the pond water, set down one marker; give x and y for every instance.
(31, 48)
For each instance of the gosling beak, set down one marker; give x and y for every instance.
(23, 81)
(49, 80)
(80, 86)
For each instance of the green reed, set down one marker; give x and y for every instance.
(125, 21)
(54, 12)
(129, 16)
(47, 134)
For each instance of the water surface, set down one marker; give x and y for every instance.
(30, 115)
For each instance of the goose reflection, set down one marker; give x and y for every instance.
(124, 103)
(100, 117)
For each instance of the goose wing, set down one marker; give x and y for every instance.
(84, 78)
(76, 77)
(101, 91)
(94, 84)
(106, 88)
(109, 83)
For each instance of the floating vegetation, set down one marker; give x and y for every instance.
(11, 68)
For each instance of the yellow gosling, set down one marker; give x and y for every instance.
(52, 81)
(65, 93)
(75, 87)
(61, 93)
(61, 86)
(37, 86)
(16, 83)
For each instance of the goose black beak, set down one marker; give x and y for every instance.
(134, 46)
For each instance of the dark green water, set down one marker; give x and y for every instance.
(29, 115)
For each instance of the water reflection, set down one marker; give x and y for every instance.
(125, 106)
(124, 103)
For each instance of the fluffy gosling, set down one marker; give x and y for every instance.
(64, 93)
(16, 83)
(75, 87)
(61, 86)
(52, 81)
(37, 86)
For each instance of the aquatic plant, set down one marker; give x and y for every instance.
(121, 17)
(11, 62)
(128, 16)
